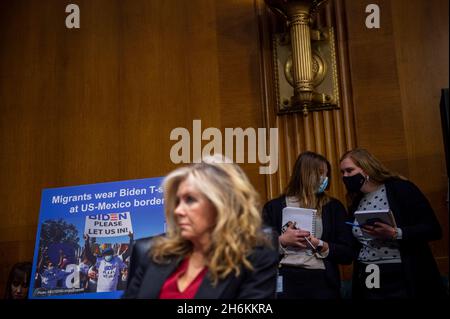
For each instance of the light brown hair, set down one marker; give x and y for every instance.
(305, 180)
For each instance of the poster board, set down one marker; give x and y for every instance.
(79, 227)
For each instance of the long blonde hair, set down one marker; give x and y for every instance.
(238, 221)
(305, 180)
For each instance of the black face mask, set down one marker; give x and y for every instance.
(354, 183)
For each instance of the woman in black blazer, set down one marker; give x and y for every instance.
(401, 252)
(214, 246)
(147, 279)
(303, 274)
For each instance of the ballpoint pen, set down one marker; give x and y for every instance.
(310, 244)
(352, 224)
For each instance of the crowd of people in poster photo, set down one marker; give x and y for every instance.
(93, 268)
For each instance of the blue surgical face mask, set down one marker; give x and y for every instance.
(108, 257)
(323, 184)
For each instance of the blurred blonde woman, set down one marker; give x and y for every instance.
(214, 246)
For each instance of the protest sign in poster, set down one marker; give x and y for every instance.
(84, 235)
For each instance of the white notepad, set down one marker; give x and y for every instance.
(303, 218)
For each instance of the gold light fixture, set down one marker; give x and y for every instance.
(304, 59)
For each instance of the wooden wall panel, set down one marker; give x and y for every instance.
(373, 66)
(239, 75)
(423, 71)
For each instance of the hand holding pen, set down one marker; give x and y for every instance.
(294, 237)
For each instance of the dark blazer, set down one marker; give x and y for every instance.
(148, 277)
(335, 232)
(415, 217)
(139, 253)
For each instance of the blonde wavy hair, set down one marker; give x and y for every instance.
(238, 226)
(371, 165)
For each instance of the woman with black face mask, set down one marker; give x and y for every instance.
(401, 252)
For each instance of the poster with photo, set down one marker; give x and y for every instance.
(84, 237)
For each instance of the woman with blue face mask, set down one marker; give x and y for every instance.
(309, 262)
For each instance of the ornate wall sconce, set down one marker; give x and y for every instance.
(305, 67)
